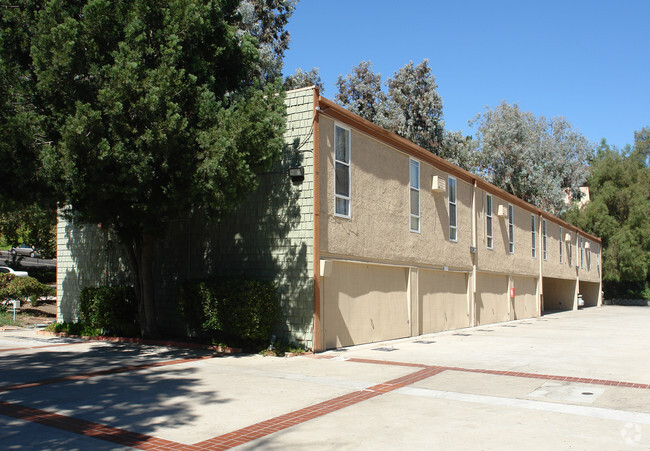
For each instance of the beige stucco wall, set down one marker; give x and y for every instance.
(499, 259)
(378, 229)
(449, 286)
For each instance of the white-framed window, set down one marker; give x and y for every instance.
(511, 229)
(533, 237)
(561, 246)
(582, 254)
(488, 221)
(414, 194)
(544, 241)
(598, 259)
(453, 213)
(570, 248)
(588, 257)
(342, 179)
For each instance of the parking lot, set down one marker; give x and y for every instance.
(570, 380)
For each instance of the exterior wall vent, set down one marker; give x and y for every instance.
(502, 211)
(567, 237)
(587, 246)
(438, 184)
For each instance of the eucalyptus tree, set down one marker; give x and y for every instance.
(148, 110)
(415, 107)
(538, 160)
(406, 104)
(302, 79)
(361, 92)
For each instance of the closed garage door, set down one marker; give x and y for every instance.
(443, 301)
(364, 304)
(525, 302)
(491, 299)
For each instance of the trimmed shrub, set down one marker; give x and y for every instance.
(23, 288)
(239, 311)
(114, 310)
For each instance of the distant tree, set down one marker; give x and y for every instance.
(31, 225)
(148, 110)
(540, 161)
(361, 93)
(414, 106)
(264, 20)
(618, 212)
(459, 150)
(642, 145)
(302, 79)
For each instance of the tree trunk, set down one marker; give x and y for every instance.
(140, 253)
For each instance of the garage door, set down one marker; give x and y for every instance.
(443, 301)
(364, 304)
(491, 299)
(525, 302)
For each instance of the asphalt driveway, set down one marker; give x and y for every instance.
(571, 380)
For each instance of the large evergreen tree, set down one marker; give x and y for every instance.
(619, 213)
(147, 110)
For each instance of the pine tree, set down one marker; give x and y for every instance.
(148, 110)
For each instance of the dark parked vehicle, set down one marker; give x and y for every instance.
(24, 249)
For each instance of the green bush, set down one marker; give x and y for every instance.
(114, 310)
(238, 310)
(74, 329)
(23, 288)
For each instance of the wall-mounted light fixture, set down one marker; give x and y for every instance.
(297, 174)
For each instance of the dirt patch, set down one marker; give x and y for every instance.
(44, 313)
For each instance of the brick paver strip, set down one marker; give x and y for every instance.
(82, 427)
(255, 431)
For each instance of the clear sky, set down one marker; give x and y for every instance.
(588, 61)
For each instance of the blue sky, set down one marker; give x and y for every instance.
(585, 60)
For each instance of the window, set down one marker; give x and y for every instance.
(570, 248)
(544, 248)
(488, 224)
(533, 236)
(511, 229)
(342, 171)
(561, 246)
(415, 195)
(453, 225)
(588, 257)
(582, 254)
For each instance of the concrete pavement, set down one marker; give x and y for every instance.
(570, 380)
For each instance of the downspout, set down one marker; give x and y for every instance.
(474, 254)
(540, 285)
(318, 320)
